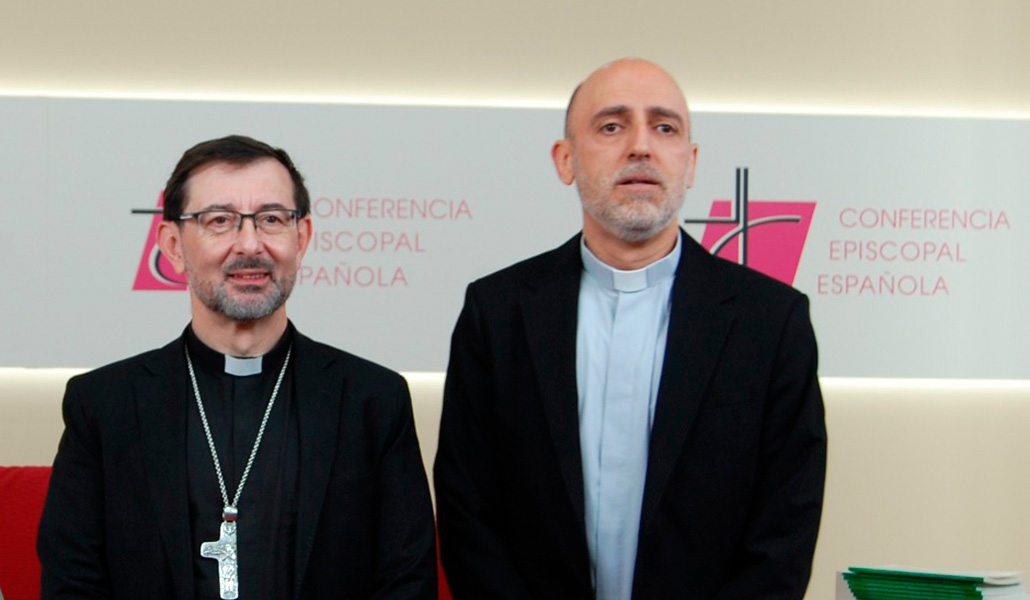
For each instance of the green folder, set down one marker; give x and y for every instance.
(904, 583)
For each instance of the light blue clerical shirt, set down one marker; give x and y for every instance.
(620, 346)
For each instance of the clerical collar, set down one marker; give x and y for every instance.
(630, 281)
(213, 361)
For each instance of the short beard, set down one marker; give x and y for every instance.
(637, 219)
(217, 298)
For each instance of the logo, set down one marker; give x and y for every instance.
(767, 236)
(155, 272)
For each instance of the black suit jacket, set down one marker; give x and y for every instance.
(734, 481)
(116, 522)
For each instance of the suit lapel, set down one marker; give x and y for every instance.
(318, 393)
(161, 414)
(698, 325)
(550, 317)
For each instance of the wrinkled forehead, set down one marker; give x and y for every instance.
(631, 84)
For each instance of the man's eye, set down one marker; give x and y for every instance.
(610, 127)
(273, 218)
(219, 219)
(666, 128)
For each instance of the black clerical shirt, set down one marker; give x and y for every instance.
(267, 526)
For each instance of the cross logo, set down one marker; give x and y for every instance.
(768, 236)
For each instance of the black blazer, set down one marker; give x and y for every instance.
(734, 482)
(115, 522)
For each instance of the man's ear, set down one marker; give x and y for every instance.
(561, 154)
(169, 240)
(692, 165)
(304, 233)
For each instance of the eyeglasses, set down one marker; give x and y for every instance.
(271, 221)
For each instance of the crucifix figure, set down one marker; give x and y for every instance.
(224, 551)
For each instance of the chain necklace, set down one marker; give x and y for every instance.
(224, 550)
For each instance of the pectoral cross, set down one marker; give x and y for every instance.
(224, 551)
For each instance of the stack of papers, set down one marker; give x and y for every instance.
(907, 583)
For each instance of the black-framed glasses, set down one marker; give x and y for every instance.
(219, 221)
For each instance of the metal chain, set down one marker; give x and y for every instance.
(257, 442)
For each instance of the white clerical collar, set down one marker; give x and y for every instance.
(242, 367)
(630, 281)
(213, 362)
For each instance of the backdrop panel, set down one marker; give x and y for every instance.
(906, 233)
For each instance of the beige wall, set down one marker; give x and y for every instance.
(907, 56)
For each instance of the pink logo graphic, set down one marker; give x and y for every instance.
(155, 272)
(768, 236)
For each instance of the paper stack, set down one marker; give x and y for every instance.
(908, 583)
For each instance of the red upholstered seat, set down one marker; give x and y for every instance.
(22, 492)
(443, 590)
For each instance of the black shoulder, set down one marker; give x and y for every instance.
(354, 366)
(123, 371)
(758, 285)
(563, 261)
(721, 277)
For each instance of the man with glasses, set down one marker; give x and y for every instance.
(243, 459)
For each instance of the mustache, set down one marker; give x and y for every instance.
(643, 171)
(249, 262)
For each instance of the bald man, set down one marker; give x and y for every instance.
(627, 416)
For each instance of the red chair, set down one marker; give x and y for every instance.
(443, 590)
(22, 492)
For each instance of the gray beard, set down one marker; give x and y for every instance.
(638, 220)
(246, 311)
(218, 300)
(630, 226)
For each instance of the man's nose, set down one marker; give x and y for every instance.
(640, 142)
(248, 238)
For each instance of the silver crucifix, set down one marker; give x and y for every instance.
(224, 551)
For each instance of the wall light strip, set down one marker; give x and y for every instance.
(840, 382)
(531, 103)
